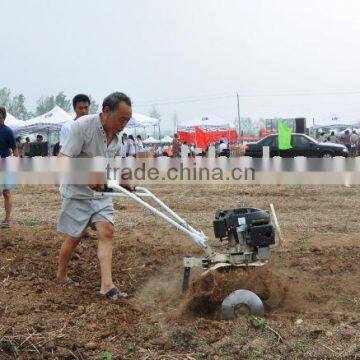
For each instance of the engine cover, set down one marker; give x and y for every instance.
(247, 226)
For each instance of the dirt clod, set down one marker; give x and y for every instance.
(208, 292)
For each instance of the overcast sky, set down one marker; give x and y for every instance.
(176, 52)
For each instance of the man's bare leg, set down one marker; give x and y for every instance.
(67, 249)
(7, 204)
(105, 249)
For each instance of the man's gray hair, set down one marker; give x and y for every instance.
(114, 99)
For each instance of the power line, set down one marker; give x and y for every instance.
(242, 95)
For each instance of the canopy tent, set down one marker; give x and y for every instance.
(56, 116)
(13, 122)
(166, 139)
(150, 140)
(48, 122)
(333, 126)
(205, 121)
(138, 120)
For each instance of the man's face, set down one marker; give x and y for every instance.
(82, 108)
(115, 121)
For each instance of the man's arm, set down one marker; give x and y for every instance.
(64, 133)
(12, 144)
(74, 142)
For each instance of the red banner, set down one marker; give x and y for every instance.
(200, 138)
(206, 137)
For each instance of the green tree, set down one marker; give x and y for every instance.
(62, 101)
(46, 103)
(94, 106)
(14, 105)
(155, 113)
(5, 97)
(17, 107)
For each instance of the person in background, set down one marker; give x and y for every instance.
(332, 137)
(20, 146)
(192, 150)
(223, 149)
(139, 146)
(56, 149)
(131, 146)
(81, 105)
(7, 144)
(346, 140)
(176, 146)
(322, 138)
(354, 143)
(124, 146)
(186, 147)
(39, 138)
(159, 151)
(26, 147)
(224, 140)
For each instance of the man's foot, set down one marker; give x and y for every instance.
(5, 224)
(113, 294)
(67, 283)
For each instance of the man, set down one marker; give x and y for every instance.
(124, 146)
(39, 139)
(139, 144)
(223, 149)
(20, 146)
(7, 144)
(322, 138)
(176, 146)
(81, 105)
(91, 136)
(26, 147)
(346, 140)
(333, 138)
(354, 141)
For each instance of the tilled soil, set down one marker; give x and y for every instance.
(311, 287)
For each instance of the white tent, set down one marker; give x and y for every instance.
(55, 116)
(166, 139)
(143, 120)
(50, 121)
(205, 120)
(13, 122)
(150, 140)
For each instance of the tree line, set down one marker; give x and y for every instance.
(15, 104)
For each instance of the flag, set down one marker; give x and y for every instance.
(200, 138)
(284, 137)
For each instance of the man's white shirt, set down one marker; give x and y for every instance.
(222, 147)
(65, 131)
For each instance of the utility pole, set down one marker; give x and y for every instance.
(238, 110)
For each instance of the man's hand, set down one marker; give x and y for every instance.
(128, 187)
(97, 187)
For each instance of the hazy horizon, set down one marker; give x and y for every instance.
(284, 58)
